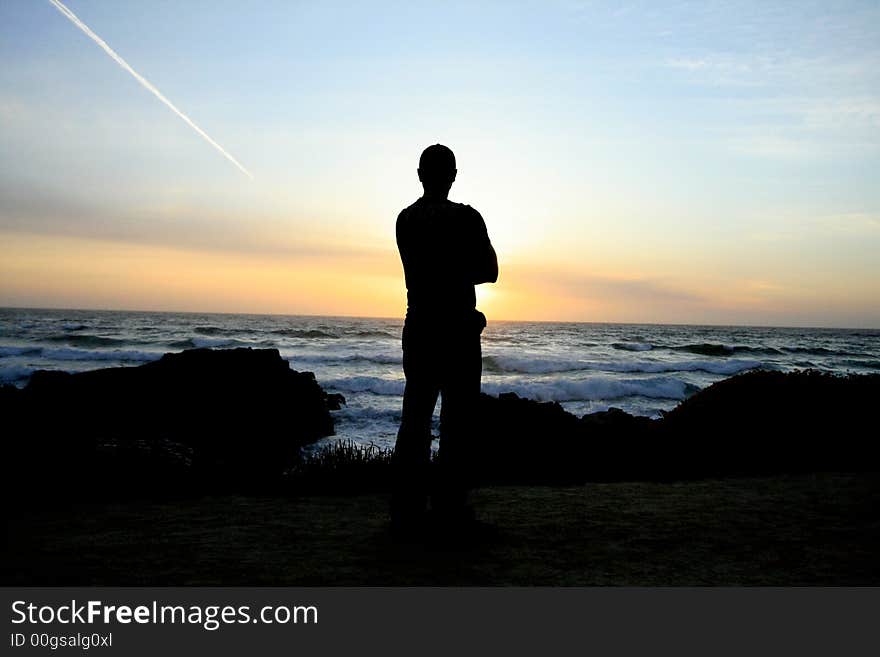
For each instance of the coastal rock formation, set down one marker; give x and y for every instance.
(526, 441)
(768, 422)
(519, 439)
(759, 422)
(232, 415)
(210, 419)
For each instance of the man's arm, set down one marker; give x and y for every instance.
(485, 266)
(403, 246)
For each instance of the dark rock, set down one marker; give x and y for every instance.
(231, 415)
(755, 423)
(335, 401)
(762, 422)
(517, 439)
(213, 418)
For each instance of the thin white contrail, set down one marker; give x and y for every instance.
(146, 83)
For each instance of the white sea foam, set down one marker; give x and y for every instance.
(373, 384)
(594, 388)
(552, 390)
(516, 364)
(371, 413)
(126, 355)
(379, 359)
(18, 351)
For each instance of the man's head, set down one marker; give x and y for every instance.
(437, 169)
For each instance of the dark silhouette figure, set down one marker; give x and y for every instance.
(445, 251)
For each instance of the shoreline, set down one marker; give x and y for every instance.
(208, 488)
(237, 419)
(587, 368)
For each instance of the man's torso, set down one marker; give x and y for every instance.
(439, 242)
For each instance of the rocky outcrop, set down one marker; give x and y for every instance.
(209, 419)
(236, 416)
(758, 422)
(768, 422)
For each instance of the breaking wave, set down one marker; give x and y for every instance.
(632, 346)
(590, 389)
(373, 384)
(512, 364)
(86, 340)
(303, 333)
(596, 388)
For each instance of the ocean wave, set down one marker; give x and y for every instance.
(596, 388)
(704, 349)
(716, 349)
(73, 353)
(200, 343)
(303, 333)
(374, 334)
(867, 364)
(83, 354)
(86, 340)
(632, 346)
(214, 330)
(726, 367)
(488, 337)
(18, 351)
(73, 326)
(824, 351)
(379, 359)
(512, 364)
(373, 384)
(819, 351)
(367, 414)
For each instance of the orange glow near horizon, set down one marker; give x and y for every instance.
(53, 271)
(77, 273)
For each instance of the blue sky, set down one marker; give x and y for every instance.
(671, 162)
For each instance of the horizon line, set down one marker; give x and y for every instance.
(401, 318)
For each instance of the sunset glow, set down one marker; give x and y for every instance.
(684, 164)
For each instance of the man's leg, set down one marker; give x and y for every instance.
(412, 451)
(460, 392)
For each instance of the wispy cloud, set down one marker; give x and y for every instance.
(146, 83)
(37, 211)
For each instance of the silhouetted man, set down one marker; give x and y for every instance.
(445, 251)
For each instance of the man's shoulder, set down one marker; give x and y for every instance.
(408, 210)
(456, 209)
(467, 210)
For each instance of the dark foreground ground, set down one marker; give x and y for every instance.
(819, 529)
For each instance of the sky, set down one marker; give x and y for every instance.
(657, 162)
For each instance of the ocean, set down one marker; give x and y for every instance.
(586, 367)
